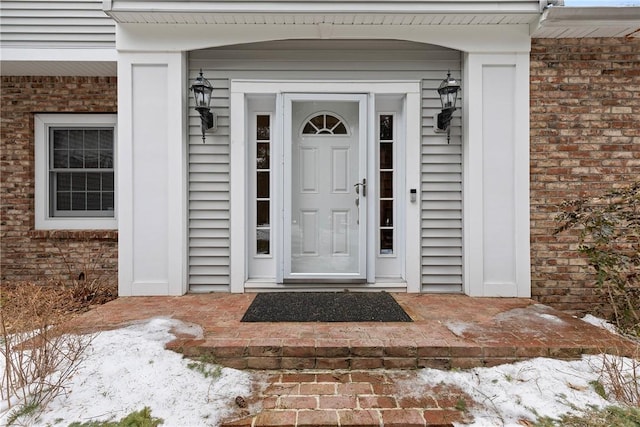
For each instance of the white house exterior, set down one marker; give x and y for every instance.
(314, 100)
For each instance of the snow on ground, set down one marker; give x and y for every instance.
(506, 394)
(128, 369)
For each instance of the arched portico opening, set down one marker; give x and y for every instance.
(399, 81)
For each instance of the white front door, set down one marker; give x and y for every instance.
(325, 188)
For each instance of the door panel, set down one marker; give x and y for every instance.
(340, 170)
(309, 234)
(326, 219)
(308, 170)
(340, 233)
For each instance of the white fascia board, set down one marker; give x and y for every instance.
(176, 37)
(58, 54)
(119, 8)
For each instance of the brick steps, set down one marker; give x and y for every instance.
(271, 354)
(351, 398)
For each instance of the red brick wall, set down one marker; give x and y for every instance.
(27, 254)
(585, 140)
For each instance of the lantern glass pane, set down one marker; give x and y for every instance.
(450, 99)
(207, 96)
(202, 90)
(197, 95)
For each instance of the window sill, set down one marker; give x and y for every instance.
(106, 235)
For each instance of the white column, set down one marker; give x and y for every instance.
(496, 159)
(152, 174)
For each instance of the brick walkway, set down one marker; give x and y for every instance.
(352, 398)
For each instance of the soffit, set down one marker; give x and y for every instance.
(549, 22)
(330, 19)
(354, 12)
(578, 22)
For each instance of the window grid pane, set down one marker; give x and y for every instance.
(386, 179)
(81, 172)
(263, 184)
(324, 124)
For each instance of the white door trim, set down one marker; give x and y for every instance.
(238, 185)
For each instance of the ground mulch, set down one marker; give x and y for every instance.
(22, 304)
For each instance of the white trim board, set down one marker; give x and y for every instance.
(465, 38)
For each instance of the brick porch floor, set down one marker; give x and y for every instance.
(351, 374)
(448, 331)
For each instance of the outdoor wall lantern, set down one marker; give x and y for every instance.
(202, 90)
(448, 91)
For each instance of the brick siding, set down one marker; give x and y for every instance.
(585, 140)
(27, 254)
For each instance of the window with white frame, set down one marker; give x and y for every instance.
(75, 171)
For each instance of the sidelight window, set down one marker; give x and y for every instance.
(386, 226)
(263, 184)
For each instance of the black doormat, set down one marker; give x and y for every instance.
(325, 307)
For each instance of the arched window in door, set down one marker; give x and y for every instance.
(324, 123)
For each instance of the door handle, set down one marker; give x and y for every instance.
(362, 184)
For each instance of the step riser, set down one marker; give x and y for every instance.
(273, 363)
(358, 358)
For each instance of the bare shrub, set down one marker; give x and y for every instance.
(86, 276)
(609, 237)
(38, 354)
(620, 377)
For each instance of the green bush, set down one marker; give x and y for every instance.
(608, 417)
(141, 418)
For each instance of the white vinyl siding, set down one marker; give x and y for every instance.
(209, 194)
(441, 190)
(441, 194)
(55, 23)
